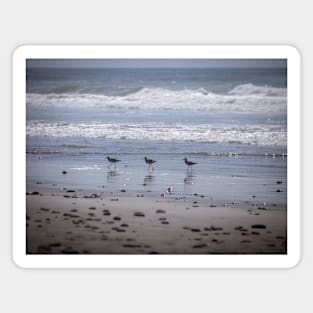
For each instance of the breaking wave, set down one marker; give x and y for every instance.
(257, 135)
(242, 98)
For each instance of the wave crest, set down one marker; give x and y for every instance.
(264, 91)
(242, 98)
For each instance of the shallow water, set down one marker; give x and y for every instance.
(76, 117)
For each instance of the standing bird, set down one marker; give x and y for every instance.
(113, 161)
(189, 163)
(149, 162)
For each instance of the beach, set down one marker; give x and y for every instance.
(72, 222)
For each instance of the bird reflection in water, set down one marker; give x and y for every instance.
(111, 176)
(148, 179)
(188, 180)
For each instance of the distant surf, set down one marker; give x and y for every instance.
(241, 98)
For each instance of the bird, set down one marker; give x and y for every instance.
(113, 161)
(189, 163)
(149, 162)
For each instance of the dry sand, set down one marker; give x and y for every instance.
(60, 222)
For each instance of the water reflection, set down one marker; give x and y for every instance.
(148, 179)
(189, 178)
(111, 176)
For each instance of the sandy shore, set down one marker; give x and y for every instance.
(67, 221)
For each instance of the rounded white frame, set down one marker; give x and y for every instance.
(24, 260)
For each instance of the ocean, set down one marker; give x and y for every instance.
(232, 122)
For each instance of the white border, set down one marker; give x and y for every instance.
(155, 261)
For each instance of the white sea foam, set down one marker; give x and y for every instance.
(87, 168)
(262, 91)
(242, 98)
(257, 135)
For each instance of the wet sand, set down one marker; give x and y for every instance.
(83, 222)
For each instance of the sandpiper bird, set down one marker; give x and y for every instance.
(149, 162)
(113, 161)
(189, 163)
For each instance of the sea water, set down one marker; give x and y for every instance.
(232, 122)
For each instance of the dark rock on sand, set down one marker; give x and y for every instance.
(200, 245)
(124, 225)
(92, 196)
(278, 190)
(64, 172)
(70, 190)
(279, 182)
(240, 228)
(139, 214)
(119, 230)
(70, 251)
(280, 237)
(44, 209)
(165, 222)
(255, 233)
(131, 246)
(116, 218)
(245, 241)
(92, 208)
(258, 226)
(70, 215)
(160, 211)
(195, 230)
(213, 228)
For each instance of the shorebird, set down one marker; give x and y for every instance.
(189, 163)
(149, 162)
(113, 161)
